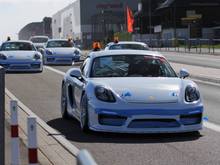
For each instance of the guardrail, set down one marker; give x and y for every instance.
(2, 115)
(194, 45)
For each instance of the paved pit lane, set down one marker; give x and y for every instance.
(41, 93)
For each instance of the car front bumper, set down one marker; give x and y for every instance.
(22, 66)
(146, 120)
(59, 60)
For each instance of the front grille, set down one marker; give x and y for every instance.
(50, 59)
(5, 66)
(19, 67)
(64, 60)
(112, 120)
(35, 66)
(191, 119)
(154, 123)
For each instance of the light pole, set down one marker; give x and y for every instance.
(139, 17)
(149, 8)
(2, 115)
(104, 24)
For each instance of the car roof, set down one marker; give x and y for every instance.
(19, 41)
(126, 42)
(57, 40)
(124, 52)
(39, 37)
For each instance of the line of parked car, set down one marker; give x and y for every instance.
(30, 56)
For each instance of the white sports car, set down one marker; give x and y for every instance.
(60, 51)
(20, 56)
(131, 91)
(39, 41)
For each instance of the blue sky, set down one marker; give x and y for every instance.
(14, 14)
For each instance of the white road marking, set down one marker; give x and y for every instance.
(207, 124)
(54, 70)
(212, 126)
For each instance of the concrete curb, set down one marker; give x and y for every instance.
(46, 132)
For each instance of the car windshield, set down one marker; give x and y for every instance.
(128, 46)
(131, 66)
(39, 40)
(59, 44)
(17, 46)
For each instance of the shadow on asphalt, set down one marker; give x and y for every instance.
(71, 130)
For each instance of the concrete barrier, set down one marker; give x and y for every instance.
(2, 115)
(32, 141)
(85, 158)
(15, 143)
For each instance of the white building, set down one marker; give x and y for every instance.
(88, 20)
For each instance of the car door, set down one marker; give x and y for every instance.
(79, 86)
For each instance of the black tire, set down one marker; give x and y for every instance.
(63, 103)
(84, 118)
(44, 63)
(195, 133)
(41, 70)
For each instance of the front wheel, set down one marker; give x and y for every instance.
(84, 118)
(64, 112)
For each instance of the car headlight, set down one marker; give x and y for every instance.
(49, 52)
(3, 57)
(76, 52)
(104, 94)
(191, 94)
(37, 57)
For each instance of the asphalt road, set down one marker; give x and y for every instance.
(41, 93)
(194, 59)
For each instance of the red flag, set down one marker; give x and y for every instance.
(130, 20)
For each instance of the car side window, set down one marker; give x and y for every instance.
(85, 67)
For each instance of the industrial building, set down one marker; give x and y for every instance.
(36, 28)
(184, 19)
(87, 21)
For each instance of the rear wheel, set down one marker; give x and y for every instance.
(64, 112)
(84, 118)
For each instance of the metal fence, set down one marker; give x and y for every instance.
(210, 46)
(2, 116)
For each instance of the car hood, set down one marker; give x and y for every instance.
(19, 55)
(63, 51)
(143, 90)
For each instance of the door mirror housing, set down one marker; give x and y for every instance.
(183, 73)
(76, 73)
(41, 50)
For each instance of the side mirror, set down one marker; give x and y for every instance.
(41, 50)
(183, 73)
(76, 73)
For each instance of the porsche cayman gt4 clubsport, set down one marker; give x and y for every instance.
(61, 52)
(131, 91)
(20, 56)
